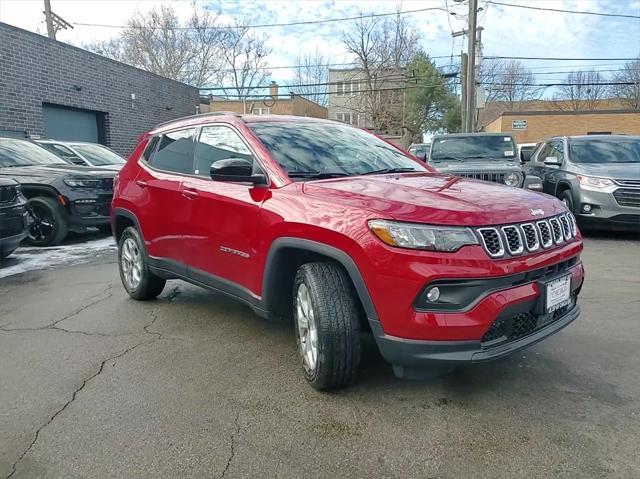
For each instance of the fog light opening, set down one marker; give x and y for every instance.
(433, 294)
(586, 208)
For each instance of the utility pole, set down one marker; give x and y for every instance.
(51, 33)
(471, 67)
(54, 22)
(463, 88)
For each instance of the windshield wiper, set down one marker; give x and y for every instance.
(456, 158)
(315, 174)
(389, 170)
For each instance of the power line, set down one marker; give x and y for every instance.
(265, 25)
(560, 59)
(578, 12)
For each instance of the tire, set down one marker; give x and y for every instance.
(132, 257)
(567, 198)
(49, 223)
(334, 316)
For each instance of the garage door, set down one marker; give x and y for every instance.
(70, 124)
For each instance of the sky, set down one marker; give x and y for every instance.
(508, 31)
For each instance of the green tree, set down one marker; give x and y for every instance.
(431, 104)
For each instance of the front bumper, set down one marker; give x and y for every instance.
(89, 210)
(408, 356)
(13, 226)
(606, 212)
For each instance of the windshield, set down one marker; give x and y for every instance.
(419, 149)
(619, 150)
(316, 149)
(63, 152)
(24, 153)
(475, 146)
(99, 155)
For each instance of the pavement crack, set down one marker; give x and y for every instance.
(236, 431)
(73, 397)
(102, 296)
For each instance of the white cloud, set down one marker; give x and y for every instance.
(507, 30)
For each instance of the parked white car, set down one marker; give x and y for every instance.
(84, 154)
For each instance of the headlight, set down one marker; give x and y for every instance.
(512, 179)
(593, 182)
(417, 236)
(81, 183)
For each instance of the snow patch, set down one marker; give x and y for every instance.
(33, 258)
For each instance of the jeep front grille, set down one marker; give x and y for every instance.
(492, 241)
(493, 177)
(514, 240)
(531, 240)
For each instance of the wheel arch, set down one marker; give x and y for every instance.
(30, 190)
(286, 254)
(120, 220)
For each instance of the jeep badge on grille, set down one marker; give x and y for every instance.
(536, 212)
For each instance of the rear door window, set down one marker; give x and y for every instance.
(175, 152)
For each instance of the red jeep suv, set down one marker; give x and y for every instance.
(344, 233)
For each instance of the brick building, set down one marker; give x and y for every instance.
(273, 104)
(533, 121)
(49, 89)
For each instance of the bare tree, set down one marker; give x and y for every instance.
(244, 62)
(200, 51)
(312, 71)
(382, 48)
(157, 41)
(582, 91)
(509, 82)
(629, 93)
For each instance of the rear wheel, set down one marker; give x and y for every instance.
(327, 325)
(139, 282)
(567, 199)
(48, 223)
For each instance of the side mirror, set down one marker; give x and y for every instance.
(525, 156)
(236, 169)
(552, 161)
(532, 182)
(421, 156)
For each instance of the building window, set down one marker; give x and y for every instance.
(345, 118)
(349, 87)
(262, 111)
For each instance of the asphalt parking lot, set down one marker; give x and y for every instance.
(94, 384)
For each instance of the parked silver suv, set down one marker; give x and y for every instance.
(596, 176)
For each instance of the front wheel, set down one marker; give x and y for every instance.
(48, 224)
(327, 325)
(139, 282)
(567, 199)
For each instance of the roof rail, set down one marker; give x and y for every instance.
(199, 115)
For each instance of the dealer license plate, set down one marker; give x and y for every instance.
(558, 293)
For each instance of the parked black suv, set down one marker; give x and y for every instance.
(60, 197)
(13, 216)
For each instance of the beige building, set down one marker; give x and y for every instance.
(532, 121)
(533, 126)
(273, 104)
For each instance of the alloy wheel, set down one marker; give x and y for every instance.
(131, 263)
(307, 328)
(41, 223)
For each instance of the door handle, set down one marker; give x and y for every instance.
(141, 183)
(190, 193)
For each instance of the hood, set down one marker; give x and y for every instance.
(25, 174)
(477, 165)
(620, 171)
(436, 199)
